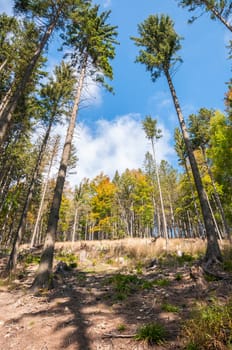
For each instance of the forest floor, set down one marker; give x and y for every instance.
(92, 307)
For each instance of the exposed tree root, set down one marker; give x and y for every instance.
(218, 275)
(202, 269)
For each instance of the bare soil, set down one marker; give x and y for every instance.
(83, 311)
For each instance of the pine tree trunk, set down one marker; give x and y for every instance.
(33, 238)
(74, 226)
(222, 19)
(5, 100)
(3, 65)
(161, 198)
(11, 265)
(43, 277)
(213, 253)
(173, 229)
(197, 213)
(11, 102)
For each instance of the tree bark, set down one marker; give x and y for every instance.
(213, 253)
(221, 18)
(11, 265)
(74, 225)
(43, 277)
(44, 194)
(3, 65)
(161, 198)
(173, 228)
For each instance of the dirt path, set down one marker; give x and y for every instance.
(85, 308)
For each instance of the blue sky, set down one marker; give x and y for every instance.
(109, 136)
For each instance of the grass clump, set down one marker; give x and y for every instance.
(139, 267)
(178, 276)
(152, 333)
(185, 258)
(162, 282)
(170, 308)
(124, 285)
(121, 327)
(32, 259)
(210, 328)
(146, 284)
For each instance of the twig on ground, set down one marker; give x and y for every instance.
(115, 335)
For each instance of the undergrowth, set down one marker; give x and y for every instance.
(210, 327)
(69, 258)
(162, 282)
(227, 259)
(125, 285)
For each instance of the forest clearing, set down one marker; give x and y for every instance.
(105, 291)
(116, 219)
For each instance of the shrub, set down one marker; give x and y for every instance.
(152, 333)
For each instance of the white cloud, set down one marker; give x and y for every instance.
(111, 145)
(115, 145)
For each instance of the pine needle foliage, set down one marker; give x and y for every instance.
(160, 44)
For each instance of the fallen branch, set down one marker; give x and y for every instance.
(115, 335)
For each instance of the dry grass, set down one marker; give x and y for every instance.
(130, 251)
(136, 249)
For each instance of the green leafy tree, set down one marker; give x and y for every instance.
(220, 154)
(134, 204)
(199, 129)
(102, 203)
(159, 47)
